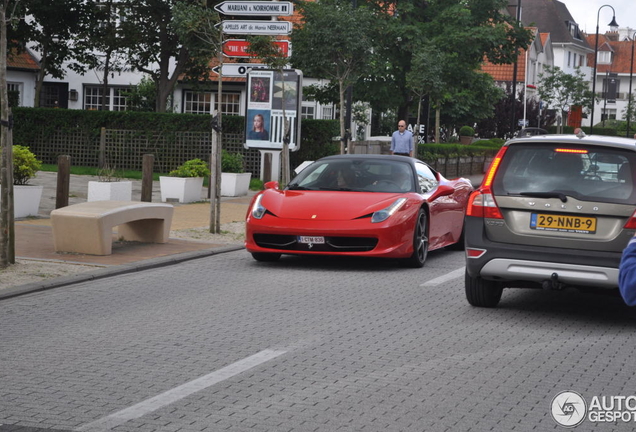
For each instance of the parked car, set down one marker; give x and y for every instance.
(359, 205)
(553, 211)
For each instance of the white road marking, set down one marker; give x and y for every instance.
(180, 392)
(447, 277)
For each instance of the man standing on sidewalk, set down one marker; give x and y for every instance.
(402, 141)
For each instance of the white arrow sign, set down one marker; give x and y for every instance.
(238, 69)
(261, 8)
(257, 27)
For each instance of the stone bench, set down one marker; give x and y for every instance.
(88, 227)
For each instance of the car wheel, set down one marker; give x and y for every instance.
(481, 292)
(265, 257)
(420, 242)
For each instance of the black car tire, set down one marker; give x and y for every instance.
(420, 242)
(265, 257)
(481, 292)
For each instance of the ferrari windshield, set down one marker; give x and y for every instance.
(356, 175)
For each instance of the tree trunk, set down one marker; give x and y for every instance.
(416, 133)
(105, 84)
(7, 241)
(437, 125)
(341, 90)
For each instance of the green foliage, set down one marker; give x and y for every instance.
(32, 123)
(232, 162)
(141, 97)
(466, 131)
(25, 165)
(316, 141)
(191, 168)
(558, 89)
(256, 184)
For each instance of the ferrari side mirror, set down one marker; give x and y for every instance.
(271, 185)
(442, 190)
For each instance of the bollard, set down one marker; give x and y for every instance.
(146, 177)
(63, 181)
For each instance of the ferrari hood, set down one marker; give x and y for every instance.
(325, 205)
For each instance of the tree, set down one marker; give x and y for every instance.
(426, 79)
(560, 90)
(467, 31)
(57, 30)
(107, 39)
(153, 45)
(8, 11)
(196, 25)
(335, 41)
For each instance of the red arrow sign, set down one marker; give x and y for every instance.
(238, 48)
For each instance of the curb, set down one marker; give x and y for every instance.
(113, 271)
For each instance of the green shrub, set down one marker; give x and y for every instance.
(191, 168)
(25, 165)
(466, 131)
(232, 162)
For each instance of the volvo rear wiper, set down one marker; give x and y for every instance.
(554, 194)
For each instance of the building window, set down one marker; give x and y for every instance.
(230, 103)
(119, 100)
(115, 99)
(327, 113)
(15, 94)
(202, 103)
(608, 114)
(197, 103)
(569, 58)
(604, 57)
(307, 112)
(49, 97)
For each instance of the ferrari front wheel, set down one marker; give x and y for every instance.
(265, 257)
(420, 242)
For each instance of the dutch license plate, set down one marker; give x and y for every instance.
(311, 239)
(563, 223)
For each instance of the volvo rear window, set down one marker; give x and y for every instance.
(586, 173)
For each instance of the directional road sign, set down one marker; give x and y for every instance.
(255, 27)
(238, 69)
(256, 8)
(238, 47)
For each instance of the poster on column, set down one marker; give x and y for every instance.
(272, 96)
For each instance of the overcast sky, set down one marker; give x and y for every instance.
(585, 13)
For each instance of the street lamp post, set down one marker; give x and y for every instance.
(611, 24)
(631, 72)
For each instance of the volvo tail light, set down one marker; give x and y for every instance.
(631, 222)
(481, 202)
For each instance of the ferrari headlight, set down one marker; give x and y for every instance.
(258, 211)
(385, 213)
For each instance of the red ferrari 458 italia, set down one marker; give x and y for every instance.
(360, 205)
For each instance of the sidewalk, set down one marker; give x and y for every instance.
(34, 238)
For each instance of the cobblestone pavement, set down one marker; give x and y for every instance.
(227, 343)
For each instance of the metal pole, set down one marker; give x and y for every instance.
(514, 81)
(631, 73)
(596, 62)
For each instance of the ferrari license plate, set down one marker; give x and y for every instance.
(563, 223)
(311, 239)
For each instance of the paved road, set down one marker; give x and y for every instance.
(226, 343)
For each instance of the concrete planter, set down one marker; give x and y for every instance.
(109, 191)
(26, 200)
(181, 189)
(465, 139)
(235, 184)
